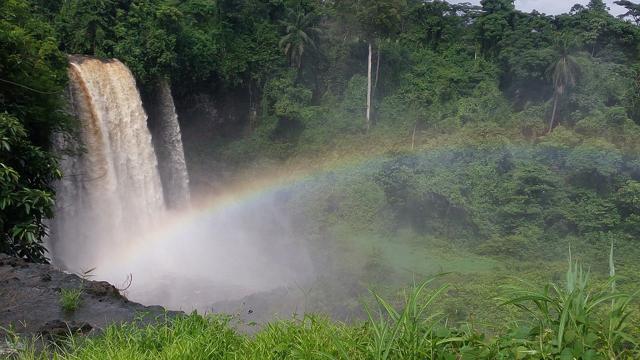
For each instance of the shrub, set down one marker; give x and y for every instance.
(26, 196)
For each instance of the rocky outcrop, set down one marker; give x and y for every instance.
(30, 302)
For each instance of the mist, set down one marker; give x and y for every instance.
(112, 222)
(206, 257)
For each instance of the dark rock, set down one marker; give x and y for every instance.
(30, 302)
(57, 328)
(11, 261)
(102, 288)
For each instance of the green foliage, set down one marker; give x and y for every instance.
(284, 98)
(87, 27)
(200, 43)
(301, 31)
(377, 18)
(578, 320)
(34, 71)
(31, 85)
(26, 199)
(436, 78)
(70, 299)
(145, 39)
(354, 97)
(484, 105)
(435, 23)
(628, 206)
(594, 164)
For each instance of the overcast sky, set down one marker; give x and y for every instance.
(550, 6)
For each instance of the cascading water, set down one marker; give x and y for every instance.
(111, 215)
(112, 187)
(163, 122)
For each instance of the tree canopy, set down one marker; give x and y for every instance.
(429, 64)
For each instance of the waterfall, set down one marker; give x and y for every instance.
(167, 139)
(111, 188)
(111, 216)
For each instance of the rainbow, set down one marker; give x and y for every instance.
(261, 185)
(175, 223)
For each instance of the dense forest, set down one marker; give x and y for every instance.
(505, 138)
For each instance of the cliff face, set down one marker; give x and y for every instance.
(30, 301)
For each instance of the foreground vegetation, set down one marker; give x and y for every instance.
(573, 320)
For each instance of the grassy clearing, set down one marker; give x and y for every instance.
(578, 319)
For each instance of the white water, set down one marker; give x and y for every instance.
(112, 187)
(173, 169)
(110, 210)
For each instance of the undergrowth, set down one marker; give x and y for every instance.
(574, 320)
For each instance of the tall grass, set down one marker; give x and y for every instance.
(575, 320)
(578, 320)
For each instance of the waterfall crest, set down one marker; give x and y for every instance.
(112, 187)
(163, 121)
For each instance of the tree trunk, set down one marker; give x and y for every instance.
(368, 124)
(253, 112)
(375, 84)
(553, 113)
(413, 136)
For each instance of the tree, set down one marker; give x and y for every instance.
(496, 6)
(301, 29)
(32, 79)
(377, 19)
(87, 26)
(525, 52)
(493, 24)
(437, 23)
(633, 10)
(564, 72)
(597, 5)
(26, 196)
(151, 29)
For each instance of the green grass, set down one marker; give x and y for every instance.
(70, 299)
(424, 258)
(578, 319)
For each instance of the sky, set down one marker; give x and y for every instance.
(551, 6)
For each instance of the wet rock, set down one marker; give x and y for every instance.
(6, 260)
(30, 302)
(102, 288)
(57, 329)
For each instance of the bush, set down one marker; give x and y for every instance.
(26, 196)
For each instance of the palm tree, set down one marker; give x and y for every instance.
(301, 30)
(564, 73)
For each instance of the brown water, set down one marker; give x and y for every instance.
(112, 187)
